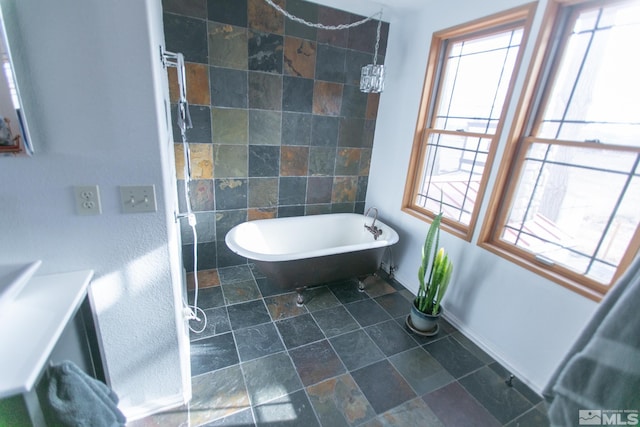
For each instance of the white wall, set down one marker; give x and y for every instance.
(523, 320)
(96, 114)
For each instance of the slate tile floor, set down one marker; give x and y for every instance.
(344, 359)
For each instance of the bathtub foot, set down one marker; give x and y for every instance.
(300, 298)
(361, 284)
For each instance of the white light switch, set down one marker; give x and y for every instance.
(138, 198)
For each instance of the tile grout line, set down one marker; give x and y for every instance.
(285, 350)
(313, 316)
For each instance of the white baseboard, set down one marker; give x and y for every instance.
(153, 407)
(477, 340)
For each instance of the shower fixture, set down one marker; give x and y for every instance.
(170, 59)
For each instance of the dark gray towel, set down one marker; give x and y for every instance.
(75, 399)
(601, 373)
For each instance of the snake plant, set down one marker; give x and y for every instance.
(438, 266)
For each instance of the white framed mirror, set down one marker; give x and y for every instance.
(14, 132)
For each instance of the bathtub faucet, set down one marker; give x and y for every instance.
(372, 228)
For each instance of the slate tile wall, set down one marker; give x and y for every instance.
(280, 125)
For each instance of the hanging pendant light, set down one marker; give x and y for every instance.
(372, 75)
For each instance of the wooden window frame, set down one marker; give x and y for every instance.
(522, 15)
(551, 39)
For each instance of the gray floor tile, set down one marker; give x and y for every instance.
(392, 281)
(524, 389)
(376, 286)
(210, 354)
(453, 356)
(454, 406)
(421, 370)
(390, 337)
(420, 339)
(347, 291)
(316, 362)
(256, 272)
(217, 395)
(238, 273)
(284, 306)
(338, 402)
(268, 288)
(383, 386)
(406, 294)
(446, 328)
(320, 298)
(299, 330)
(173, 417)
(217, 323)
(207, 297)
(335, 321)
(472, 347)
(395, 304)
(270, 378)
(356, 349)
(367, 312)
(239, 419)
(413, 413)
(248, 314)
(257, 341)
(242, 291)
(503, 402)
(531, 418)
(288, 411)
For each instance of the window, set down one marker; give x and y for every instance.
(8, 72)
(567, 199)
(467, 85)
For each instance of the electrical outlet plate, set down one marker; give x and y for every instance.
(87, 200)
(138, 198)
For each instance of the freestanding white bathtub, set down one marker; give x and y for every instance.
(297, 252)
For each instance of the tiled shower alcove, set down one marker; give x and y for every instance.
(280, 125)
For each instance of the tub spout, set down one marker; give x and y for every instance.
(372, 228)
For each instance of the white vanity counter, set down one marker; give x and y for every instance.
(31, 325)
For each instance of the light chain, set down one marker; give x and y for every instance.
(322, 26)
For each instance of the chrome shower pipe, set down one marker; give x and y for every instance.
(171, 59)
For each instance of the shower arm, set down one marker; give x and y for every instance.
(171, 59)
(176, 60)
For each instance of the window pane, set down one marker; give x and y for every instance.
(626, 133)
(596, 91)
(488, 43)
(576, 207)
(8, 73)
(452, 171)
(620, 14)
(586, 21)
(567, 74)
(475, 80)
